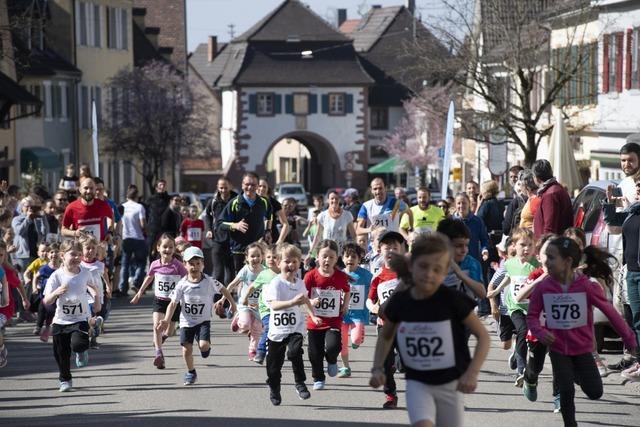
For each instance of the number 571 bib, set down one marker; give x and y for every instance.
(565, 311)
(426, 346)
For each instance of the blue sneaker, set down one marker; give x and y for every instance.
(318, 385)
(556, 403)
(190, 378)
(65, 386)
(82, 359)
(332, 369)
(530, 391)
(97, 328)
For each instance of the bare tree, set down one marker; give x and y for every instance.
(154, 119)
(504, 70)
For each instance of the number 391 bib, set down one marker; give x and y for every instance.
(565, 311)
(426, 346)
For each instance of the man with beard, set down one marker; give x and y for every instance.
(88, 214)
(382, 211)
(630, 165)
(426, 217)
(223, 267)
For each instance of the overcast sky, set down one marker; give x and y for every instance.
(212, 17)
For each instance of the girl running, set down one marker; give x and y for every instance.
(428, 321)
(567, 297)
(164, 272)
(68, 288)
(97, 269)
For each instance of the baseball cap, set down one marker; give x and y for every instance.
(192, 252)
(392, 236)
(350, 192)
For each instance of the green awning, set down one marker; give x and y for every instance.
(607, 161)
(39, 158)
(390, 165)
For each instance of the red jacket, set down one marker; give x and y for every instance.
(555, 213)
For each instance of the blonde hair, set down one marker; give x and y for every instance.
(288, 250)
(88, 240)
(522, 233)
(70, 245)
(489, 188)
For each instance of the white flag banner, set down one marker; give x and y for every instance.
(448, 151)
(94, 138)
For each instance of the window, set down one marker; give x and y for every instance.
(117, 28)
(633, 59)
(336, 104)
(582, 88)
(379, 118)
(24, 108)
(265, 104)
(37, 92)
(88, 24)
(300, 104)
(47, 101)
(64, 99)
(87, 94)
(612, 62)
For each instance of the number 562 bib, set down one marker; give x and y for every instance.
(426, 346)
(565, 311)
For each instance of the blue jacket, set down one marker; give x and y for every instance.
(20, 225)
(479, 238)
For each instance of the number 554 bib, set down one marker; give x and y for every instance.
(565, 311)
(426, 346)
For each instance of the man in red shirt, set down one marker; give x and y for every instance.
(87, 214)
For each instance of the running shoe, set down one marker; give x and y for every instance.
(37, 330)
(259, 359)
(513, 361)
(93, 343)
(354, 346)
(602, 368)
(519, 380)
(252, 355)
(624, 363)
(556, 403)
(190, 378)
(82, 359)
(391, 403)
(303, 391)
(44, 334)
(98, 326)
(65, 386)
(158, 361)
(530, 391)
(332, 369)
(274, 397)
(631, 373)
(344, 373)
(318, 385)
(4, 353)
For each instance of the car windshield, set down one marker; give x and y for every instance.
(291, 190)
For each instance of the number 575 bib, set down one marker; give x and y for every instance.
(565, 311)
(426, 346)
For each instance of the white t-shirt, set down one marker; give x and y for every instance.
(283, 323)
(96, 268)
(382, 215)
(133, 214)
(196, 300)
(335, 229)
(72, 306)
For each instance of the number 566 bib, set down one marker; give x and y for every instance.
(565, 311)
(285, 322)
(426, 346)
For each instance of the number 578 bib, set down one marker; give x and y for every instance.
(426, 346)
(565, 311)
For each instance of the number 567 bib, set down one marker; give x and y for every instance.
(426, 346)
(565, 311)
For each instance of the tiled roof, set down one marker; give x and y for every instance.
(373, 26)
(349, 26)
(224, 68)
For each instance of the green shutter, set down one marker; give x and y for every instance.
(253, 104)
(277, 104)
(325, 104)
(348, 103)
(288, 104)
(313, 104)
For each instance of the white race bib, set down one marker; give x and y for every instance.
(254, 297)
(284, 322)
(517, 282)
(356, 301)
(328, 302)
(422, 230)
(565, 311)
(194, 308)
(73, 308)
(386, 289)
(426, 346)
(194, 234)
(382, 220)
(164, 284)
(93, 229)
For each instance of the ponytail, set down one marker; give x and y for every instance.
(598, 264)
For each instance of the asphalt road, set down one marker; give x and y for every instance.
(120, 387)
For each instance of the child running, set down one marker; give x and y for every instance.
(353, 322)
(46, 312)
(195, 294)
(97, 269)
(10, 281)
(284, 295)
(164, 273)
(429, 323)
(567, 297)
(382, 286)
(330, 287)
(192, 228)
(68, 288)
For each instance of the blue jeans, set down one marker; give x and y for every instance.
(633, 295)
(262, 345)
(132, 263)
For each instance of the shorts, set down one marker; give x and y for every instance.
(507, 328)
(200, 332)
(441, 404)
(160, 306)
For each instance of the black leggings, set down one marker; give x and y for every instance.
(389, 367)
(223, 267)
(568, 370)
(275, 360)
(68, 338)
(323, 343)
(535, 364)
(519, 320)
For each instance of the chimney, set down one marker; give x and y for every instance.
(212, 51)
(342, 16)
(411, 6)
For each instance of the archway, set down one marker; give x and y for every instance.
(302, 157)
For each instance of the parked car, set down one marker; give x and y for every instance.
(294, 190)
(589, 215)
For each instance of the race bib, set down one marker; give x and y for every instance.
(422, 230)
(356, 301)
(285, 322)
(386, 289)
(194, 309)
(382, 220)
(93, 229)
(73, 308)
(164, 284)
(565, 311)
(328, 302)
(517, 282)
(254, 297)
(426, 346)
(194, 234)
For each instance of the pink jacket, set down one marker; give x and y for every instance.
(578, 340)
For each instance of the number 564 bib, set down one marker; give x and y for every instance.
(565, 311)
(426, 346)
(328, 302)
